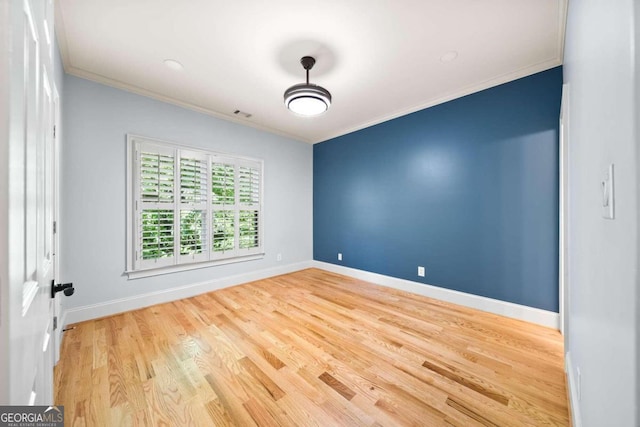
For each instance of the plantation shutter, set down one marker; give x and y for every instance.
(223, 205)
(249, 195)
(191, 206)
(156, 206)
(193, 244)
(236, 207)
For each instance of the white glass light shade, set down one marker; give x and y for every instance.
(307, 99)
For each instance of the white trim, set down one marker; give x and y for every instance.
(574, 405)
(563, 244)
(503, 308)
(95, 311)
(563, 12)
(138, 274)
(99, 78)
(57, 274)
(562, 156)
(6, 55)
(458, 93)
(521, 312)
(136, 266)
(517, 311)
(497, 81)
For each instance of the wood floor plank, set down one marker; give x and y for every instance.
(311, 348)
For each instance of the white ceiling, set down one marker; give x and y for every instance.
(380, 59)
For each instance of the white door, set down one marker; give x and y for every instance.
(25, 292)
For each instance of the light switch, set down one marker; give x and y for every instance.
(608, 194)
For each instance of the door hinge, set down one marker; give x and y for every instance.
(55, 227)
(54, 131)
(55, 322)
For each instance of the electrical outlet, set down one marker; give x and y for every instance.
(339, 256)
(420, 271)
(279, 257)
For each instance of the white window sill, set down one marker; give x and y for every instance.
(149, 272)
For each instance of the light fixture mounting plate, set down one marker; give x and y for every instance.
(307, 62)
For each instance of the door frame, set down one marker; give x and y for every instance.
(57, 332)
(563, 264)
(5, 25)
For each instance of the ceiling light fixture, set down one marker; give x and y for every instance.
(307, 99)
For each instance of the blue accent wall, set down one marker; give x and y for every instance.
(468, 189)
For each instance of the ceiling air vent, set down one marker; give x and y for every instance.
(243, 114)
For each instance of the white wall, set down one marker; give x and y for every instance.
(603, 254)
(96, 121)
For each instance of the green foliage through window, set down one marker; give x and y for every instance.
(192, 206)
(157, 233)
(248, 229)
(222, 184)
(192, 232)
(223, 231)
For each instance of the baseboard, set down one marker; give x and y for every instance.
(95, 311)
(574, 407)
(503, 308)
(109, 308)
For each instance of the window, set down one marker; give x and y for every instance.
(190, 208)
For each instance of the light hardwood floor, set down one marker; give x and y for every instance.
(311, 348)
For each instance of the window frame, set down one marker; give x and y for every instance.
(136, 267)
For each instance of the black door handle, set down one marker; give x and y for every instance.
(66, 287)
